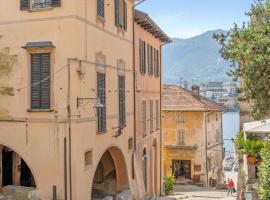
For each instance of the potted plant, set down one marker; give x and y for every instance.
(252, 148)
(169, 182)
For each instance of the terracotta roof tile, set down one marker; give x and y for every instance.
(178, 98)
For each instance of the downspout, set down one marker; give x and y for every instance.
(69, 129)
(160, 111)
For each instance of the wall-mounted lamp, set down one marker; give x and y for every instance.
(83, 101)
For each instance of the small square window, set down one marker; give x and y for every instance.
(88, 156)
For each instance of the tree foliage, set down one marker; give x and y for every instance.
(248, 50)
(264, 172)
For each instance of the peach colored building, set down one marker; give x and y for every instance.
(149, 39)
(67, 97)
(192, 136)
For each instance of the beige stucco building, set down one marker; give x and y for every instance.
(67, 97)
(192, 136)
(149, 40)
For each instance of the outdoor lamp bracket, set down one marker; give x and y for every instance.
(83, 101)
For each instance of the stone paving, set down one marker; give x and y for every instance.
(191, 192)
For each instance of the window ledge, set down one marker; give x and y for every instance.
(101, 132)
(40, 9)
(100, 19)
(40, 110)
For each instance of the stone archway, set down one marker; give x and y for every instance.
(111, 175)
(15, 170)
(154, 165)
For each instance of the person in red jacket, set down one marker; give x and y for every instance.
(231, 187)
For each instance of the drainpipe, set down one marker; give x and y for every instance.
(160, 111)
(65, 168)
(69, 128)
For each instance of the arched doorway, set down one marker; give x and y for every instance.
(144, 168)
(154, 172)
(15, 170)
(111, 175)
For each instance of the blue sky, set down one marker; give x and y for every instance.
(187, 18)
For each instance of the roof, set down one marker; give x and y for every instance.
(257, 126)
(176, 98)
(149, 25)
(42, 44)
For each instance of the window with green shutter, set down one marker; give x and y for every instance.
(40, 81)
(143, 118)
(151, 116)
(122, 108)
(142, 56)
(101, 95)
(100, 8)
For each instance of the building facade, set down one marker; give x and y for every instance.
(149, 39)
(67, 97)
(192, 136)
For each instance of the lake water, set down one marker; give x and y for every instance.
(231, 126)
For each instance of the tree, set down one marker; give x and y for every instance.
(248, 50)
(264, 172)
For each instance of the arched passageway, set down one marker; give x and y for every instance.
(111, 175)
(15, 170)
(154, 172)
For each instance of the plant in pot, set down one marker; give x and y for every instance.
(252, 148)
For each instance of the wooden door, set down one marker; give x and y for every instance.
(187, 168)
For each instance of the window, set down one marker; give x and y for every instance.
(121, 14)
(151, 116)
(197, 168)
(181, 118)
(40, 81)
(101, 95)
(143, 118)
(130, 143)
(150, 59)
(122, 108)
(216, 116)
(142, 56)
(100, 8)
(181, 137)
(156, 61)
(88, 158)
(157, 114)
(28, 4)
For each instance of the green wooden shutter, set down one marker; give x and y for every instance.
(24, 4)
(35, 78)
(117, 12)
(101, 93)
(100, 8)
(122, 115)
(125, 15)
(45, 81)
(56, 3)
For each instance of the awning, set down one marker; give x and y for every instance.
(44, 44)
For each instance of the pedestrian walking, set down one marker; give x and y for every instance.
(231, 187)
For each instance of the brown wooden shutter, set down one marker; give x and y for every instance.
(56, 3)
(101, 93)
(148, 58)
(158, 63)
(24, 4)
(140, 55)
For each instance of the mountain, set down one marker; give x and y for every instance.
(196, 59)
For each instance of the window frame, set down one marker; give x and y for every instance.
(102, 2)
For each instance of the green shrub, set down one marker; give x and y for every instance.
(169, 181)
(252, 147)
(264, 172)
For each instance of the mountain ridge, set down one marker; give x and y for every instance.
(195, 59)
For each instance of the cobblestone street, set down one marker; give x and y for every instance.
(191, 192)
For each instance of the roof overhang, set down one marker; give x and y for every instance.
(150, 26)
(43, 44)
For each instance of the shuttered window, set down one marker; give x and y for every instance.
(157, 64)
(148, 58)
(100, 8)
(24, 4)
(151, 116)
(143, 118)
(101, 95)
(122, 108)
(157, 114)
(142, 56)
(151, 62)
(40, 81)
(181, 137)
(121, 14)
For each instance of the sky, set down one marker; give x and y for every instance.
(188, 18)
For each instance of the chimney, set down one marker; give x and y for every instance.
(195, 91)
